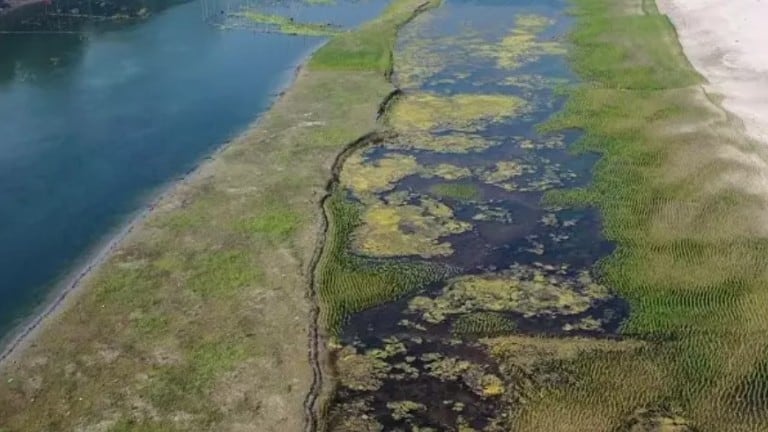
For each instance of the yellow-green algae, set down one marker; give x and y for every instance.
(423, 55)
(417, 58)
(521, 45)
(463, 112)
(452, 142)
(502, 172)
(366, 178)
(525, 290)
(360, 371)
(407, 229)
(377, 176)
(489, 213)
(656, 420)
(404, 409)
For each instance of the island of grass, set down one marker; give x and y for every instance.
(199, 319)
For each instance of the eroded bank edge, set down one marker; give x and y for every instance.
(318, 397)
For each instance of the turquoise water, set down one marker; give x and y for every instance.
(92, 124)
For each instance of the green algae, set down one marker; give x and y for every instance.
(528, 291)
(287, 25)
(407, 229)
(456, 191)
(463, 112)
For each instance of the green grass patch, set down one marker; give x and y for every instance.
(351, 283)
(482, 324)
(369, 48)
(277, 223)
(615, 50)
(688, 254)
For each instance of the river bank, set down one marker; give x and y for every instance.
(197, 320)
(725, 42)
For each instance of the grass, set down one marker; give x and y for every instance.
(456, 191)
(198, 321)
(369, 48)
(349, 283)
(680, 191)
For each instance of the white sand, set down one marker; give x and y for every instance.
(727, 42)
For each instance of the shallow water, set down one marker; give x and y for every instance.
(518, 232)
(93, 123)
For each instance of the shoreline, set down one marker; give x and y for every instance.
(201, 315)
(724, 41)
(69, 285)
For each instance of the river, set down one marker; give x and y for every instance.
(95, 122)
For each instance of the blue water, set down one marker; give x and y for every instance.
(92, 124)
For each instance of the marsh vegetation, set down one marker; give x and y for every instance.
(549, 327)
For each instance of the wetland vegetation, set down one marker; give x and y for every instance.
(549, 327)
(481, 269)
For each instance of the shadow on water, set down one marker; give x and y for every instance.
(437, 373)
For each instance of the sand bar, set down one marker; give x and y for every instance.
(726, 42)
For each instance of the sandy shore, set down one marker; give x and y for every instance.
(726, 41)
